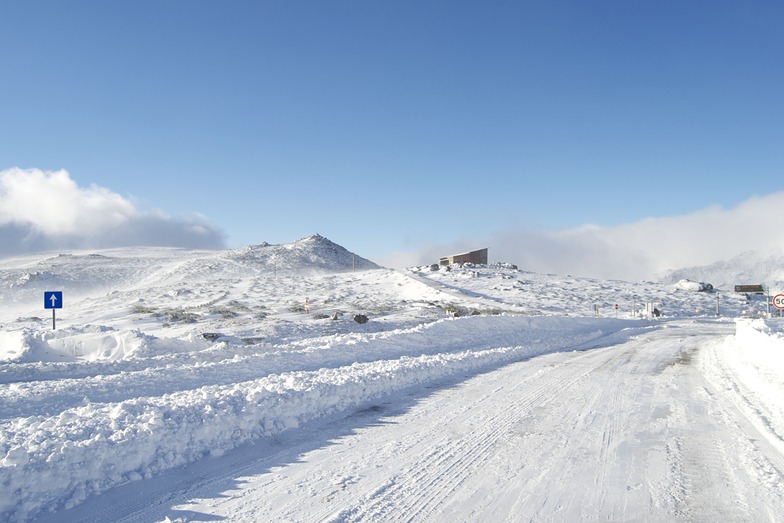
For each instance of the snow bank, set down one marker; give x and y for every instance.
(757, 354)
(748, 369)
(49, 461)
(88, 344)
(11, 345)
(54, 462)
(756, 357)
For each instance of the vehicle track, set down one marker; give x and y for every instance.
(440, 466)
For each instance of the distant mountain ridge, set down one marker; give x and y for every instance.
(749, 268)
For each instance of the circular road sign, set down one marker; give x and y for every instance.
(778, 301)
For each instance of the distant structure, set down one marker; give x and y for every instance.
(750, 289)
(479, 257)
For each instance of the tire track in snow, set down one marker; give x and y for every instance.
(717, 461)
(583, 413)
(764, 456)
(419, 492)
(746, 413)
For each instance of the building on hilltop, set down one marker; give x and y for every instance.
(479, 257)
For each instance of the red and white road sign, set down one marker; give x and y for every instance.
(778, 301)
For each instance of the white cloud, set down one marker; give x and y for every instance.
(634, 251)
(42, 210)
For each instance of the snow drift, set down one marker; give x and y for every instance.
(52, 462)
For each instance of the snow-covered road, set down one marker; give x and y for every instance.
(652, 428)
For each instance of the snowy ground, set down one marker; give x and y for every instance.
(194, 386)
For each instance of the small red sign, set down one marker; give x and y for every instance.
(778, 301)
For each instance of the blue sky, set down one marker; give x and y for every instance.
(398, 128)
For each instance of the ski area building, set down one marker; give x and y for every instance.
(479, 257)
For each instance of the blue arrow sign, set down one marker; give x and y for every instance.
(53, 299)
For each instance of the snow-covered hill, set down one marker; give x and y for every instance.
(314, 253)
(165, 357)
(90, 273)
(749, 268)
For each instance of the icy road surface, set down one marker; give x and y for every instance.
(659, 427)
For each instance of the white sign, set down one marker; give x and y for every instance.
(778, 301)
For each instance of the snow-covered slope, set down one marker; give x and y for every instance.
(91, 272)
(314, 253)
(749, 268)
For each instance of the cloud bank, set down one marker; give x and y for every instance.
(43, 211)
(636, 251)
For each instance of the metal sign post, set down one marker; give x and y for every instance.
(53, 300)
(718, 307)
(768, 293)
